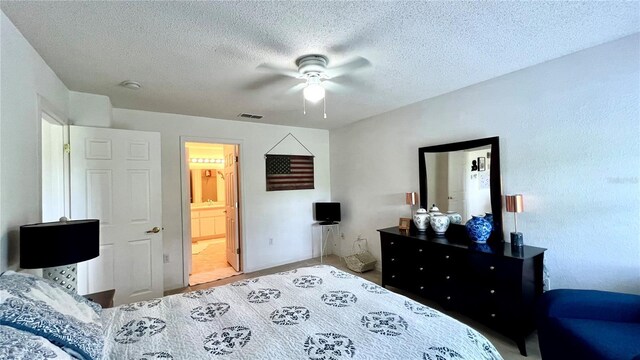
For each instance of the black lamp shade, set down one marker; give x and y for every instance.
(59, 243)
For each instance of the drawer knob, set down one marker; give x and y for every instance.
(392, 243)
(492, 267)
(448, 297)
(493, 315)
(448, 277)
(393, 276)
(421, 268)
(446, 256)
(492, 291)
(419, 250)
(421, 287)
(393, 259)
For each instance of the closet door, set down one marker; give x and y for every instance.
(115, 177)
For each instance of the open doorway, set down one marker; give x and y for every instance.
(53, 194)
(212, 174)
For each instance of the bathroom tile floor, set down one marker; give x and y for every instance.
(209, 262)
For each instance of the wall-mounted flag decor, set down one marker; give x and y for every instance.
(289, 172)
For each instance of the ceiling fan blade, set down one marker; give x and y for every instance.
(295, 89)
(334, 87)
(357, 63)
(264, 82)
(278, 70)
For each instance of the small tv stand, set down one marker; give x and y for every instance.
(327, 228)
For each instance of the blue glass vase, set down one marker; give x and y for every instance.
(478, 229)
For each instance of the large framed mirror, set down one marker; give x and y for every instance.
(463, 177)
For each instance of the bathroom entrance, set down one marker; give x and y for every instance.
(214, 217)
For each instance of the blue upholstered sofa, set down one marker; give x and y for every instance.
(589, 325)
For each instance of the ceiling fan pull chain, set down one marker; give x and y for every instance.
(304, 106)
(324, 103)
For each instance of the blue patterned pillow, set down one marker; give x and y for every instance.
(20, 345)
(36, 305)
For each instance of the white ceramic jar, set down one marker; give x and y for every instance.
(439, 223)
(421, 219)
(454, 217)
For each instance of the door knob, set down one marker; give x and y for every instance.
(155, 230)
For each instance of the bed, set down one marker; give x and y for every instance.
(318, 313)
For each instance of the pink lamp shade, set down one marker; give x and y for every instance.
(412, 198)
(514, 203)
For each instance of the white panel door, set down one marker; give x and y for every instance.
(455, 184)
(115, 177)
(231, 205)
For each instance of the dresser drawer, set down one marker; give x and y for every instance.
(396, 255)
(392, 246)
(504, 303)
(494, 318)
(446, 261)
(446, 279)
(449, 298)
(398, 277)
(445, 257)
(493, 270)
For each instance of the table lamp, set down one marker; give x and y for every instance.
(58, 246)
(515, 205)
(412, 200)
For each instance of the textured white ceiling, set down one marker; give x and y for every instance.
(200, 58)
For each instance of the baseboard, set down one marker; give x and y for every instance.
(286, 262)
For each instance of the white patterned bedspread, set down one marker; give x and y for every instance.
(309, 313)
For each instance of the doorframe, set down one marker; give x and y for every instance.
(45, 107)
(186, 203)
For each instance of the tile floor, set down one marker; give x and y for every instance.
(507, 348)
(209, 261)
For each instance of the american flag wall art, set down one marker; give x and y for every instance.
(289, 172)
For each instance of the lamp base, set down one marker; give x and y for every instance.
(516, 240)
(65, 276)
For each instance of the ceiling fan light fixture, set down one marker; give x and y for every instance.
(314, 91)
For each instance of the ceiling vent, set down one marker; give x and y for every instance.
(130, 84)
(250, 116)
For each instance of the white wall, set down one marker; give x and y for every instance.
(24, 76)
(89, 109)
(569, 135)
(285, 216)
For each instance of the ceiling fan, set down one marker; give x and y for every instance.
(316, 76)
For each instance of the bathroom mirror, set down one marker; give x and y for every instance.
(463, 177)
(207, 186)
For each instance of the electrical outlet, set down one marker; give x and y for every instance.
(270, 241)
(165, 258)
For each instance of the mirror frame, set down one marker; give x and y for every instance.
(495, 182)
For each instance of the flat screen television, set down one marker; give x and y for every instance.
(327, 212)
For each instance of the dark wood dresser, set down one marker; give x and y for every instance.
(491, 284)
